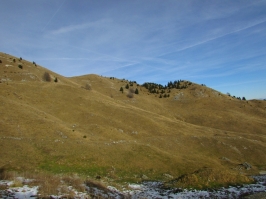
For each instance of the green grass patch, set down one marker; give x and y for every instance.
(56, 168)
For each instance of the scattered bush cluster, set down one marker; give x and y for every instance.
(165, 95)
(157, 89)
(160, 89)
(177, 84)
(239, 98)
(131, 83)
(153, 87)
(131, 91)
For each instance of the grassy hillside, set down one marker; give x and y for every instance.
(85, 125)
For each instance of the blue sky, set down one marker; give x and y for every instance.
(218, 43)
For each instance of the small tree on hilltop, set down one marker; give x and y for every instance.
(243, 98)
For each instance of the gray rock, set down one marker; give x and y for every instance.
(168, 176)
(247, 165)
(225, 158)
(144, 177)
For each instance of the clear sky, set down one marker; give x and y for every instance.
(218, 43)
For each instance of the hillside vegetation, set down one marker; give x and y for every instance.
(194, 136)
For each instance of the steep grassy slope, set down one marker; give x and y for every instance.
(63, 127)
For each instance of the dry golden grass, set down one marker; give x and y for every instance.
(207, 177)
(63, 128)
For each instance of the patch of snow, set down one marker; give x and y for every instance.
(156, 190)
(6, 183)
(135, 186)
(19, 192)
(145, 190)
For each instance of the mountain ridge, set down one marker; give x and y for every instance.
(86, 125)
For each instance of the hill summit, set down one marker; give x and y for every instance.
(184, 134)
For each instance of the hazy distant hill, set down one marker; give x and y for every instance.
(87, 125)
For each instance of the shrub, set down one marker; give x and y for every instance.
(88, 86)
(136, 91)
(20, 58)
(14, 60)
(127, 86)
(121, 89)
(20, 66)
(55, 80)
(131, 90)
(0, 61)
(130, 93)
(46, 77)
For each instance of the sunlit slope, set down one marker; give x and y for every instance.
(86, 125)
